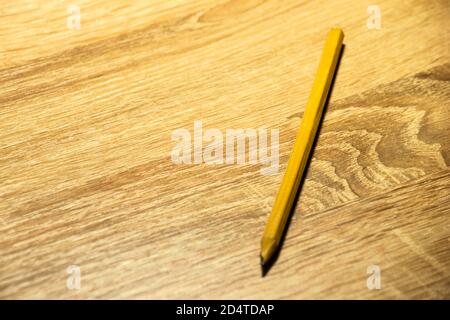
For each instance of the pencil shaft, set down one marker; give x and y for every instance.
(302, 146)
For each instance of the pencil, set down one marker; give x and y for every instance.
(302, 146)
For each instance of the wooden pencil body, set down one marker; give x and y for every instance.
(302, 147)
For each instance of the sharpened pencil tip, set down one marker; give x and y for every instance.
(268, 248)
(263, 268)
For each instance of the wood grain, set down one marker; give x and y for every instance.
(86, 177)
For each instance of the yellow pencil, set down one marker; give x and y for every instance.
(302, 147)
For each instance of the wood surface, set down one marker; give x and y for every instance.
(86, 176)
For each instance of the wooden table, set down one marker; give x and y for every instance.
(86, 174)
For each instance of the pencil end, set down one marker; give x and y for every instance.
(337, 34)
(268, 248)
(263, 267)
(262, 261)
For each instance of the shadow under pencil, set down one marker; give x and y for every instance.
(268, 265)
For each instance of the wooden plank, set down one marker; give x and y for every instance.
(86, 176)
